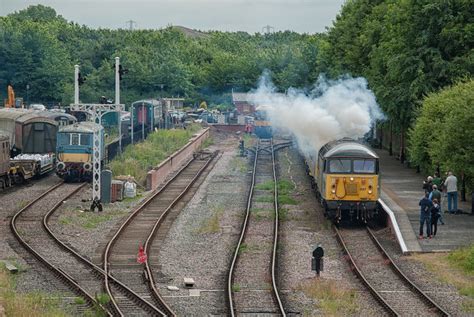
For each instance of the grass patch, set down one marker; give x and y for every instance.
(238, 164)
(455, 268)
(332, 298)
(207, 143)
(22, 204)
(79, 301)
(139, 158)
(212, 224)
(282, 214)
(264, 199)
(285, 187)
(32, 304)
(235, 288)
(89, 220)
(268, 185)
(243, 248)
(286, 200)
(249, 141)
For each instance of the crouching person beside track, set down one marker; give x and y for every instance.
(425, 215)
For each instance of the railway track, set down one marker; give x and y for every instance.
(251, 286)
(140, 229)
(28, 228)
(31, 227)
(398, 295)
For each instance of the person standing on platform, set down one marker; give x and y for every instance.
(425, 215)
(435, 214)
(436, 194)
(428, 184)
(437, 181)
(451, 184)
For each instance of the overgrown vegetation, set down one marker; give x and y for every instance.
(90, 220)
(455, 268)
(443, 132)
(31, 304)
(139, 158)
(332, 298)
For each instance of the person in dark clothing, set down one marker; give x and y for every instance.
(425, 215)
(436, 194)
(435, 214)
(428, 185)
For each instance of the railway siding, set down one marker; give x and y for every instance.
(252, 286)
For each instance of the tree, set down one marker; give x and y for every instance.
(442, 134)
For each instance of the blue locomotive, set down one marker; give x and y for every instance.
(263, 127)
(74, 151)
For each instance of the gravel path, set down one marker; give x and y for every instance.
(202, 238)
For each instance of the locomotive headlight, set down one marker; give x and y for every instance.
(60, 165)
(370, 189)
(352, 179)
(333, 189)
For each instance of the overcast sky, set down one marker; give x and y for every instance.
(308, 16)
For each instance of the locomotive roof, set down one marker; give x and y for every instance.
(85, 127)
(346, 148)
(12, 114)
(148, 102)
(24, 116)
(54, 115)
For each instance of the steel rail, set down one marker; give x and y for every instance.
(427, 299)
(142, 302)
(230, 300)
(359, 273)
(68, 279)
(151, 279)
(275, 240)
(114, 239)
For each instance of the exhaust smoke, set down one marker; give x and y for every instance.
(334, 109)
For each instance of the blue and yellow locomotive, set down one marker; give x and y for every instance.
(346, 177)
(263, 127)
(74, 151)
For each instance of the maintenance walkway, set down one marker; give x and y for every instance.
(401, 192)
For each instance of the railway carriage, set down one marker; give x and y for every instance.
(4, 161)
(346, 178)
(28, 131)
(74, 151)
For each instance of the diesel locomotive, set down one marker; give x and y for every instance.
(74, 151)
(345, 175)
(263, 127)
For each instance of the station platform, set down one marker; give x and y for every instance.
(401, 192)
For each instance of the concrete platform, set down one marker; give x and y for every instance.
(401, 192)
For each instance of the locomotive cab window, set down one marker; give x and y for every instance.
(74, 139)
(85, 139)
(364, 166)
(339, 166)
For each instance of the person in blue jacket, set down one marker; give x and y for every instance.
(425, 215)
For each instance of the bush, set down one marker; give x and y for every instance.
(139, 158)
(442, 133)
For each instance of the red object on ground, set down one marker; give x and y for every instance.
(141, 257)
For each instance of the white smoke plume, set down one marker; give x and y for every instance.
(334, 109)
